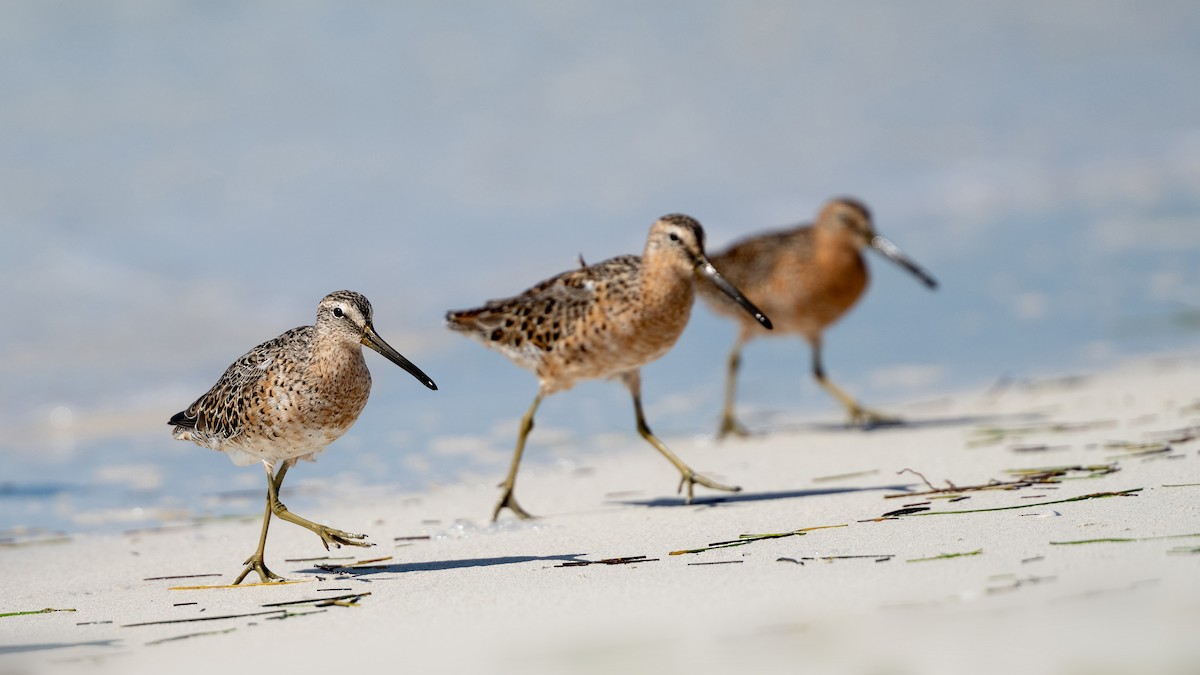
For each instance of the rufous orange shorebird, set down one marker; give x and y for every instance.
(805, 278)
(288, 398)
(603, 320)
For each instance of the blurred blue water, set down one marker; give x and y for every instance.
(180, 182)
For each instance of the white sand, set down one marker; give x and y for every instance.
(478, 598)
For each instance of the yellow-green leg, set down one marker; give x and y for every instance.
(729, 424)
(255, 562)
(508, 499)
(687, 476)
(859, 416)
(327, 534)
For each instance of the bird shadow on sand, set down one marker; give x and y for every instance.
(744, 497)
(444, 565)
(901, 424)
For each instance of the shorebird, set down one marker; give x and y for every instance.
(604, 320)
(287, 399)
(805, 278)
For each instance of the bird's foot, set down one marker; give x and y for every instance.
(510, 501)
(338, 538)
(690, 478)
(329, 536)
(865, 418)
(731, 427)
(255, 564)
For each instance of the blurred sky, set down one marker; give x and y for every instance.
(180, 181)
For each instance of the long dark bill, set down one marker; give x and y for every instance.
(728, 289)
(893, 253)
(372, 340)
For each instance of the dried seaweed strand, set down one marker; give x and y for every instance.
(1122, 540)
(290, 614)
(319, 602)
(1027, 478)
(1094, 495)
(744, 539)
(1184, 550)
(180, 576)
(357, 565)
(185, 636)
(906, 511)
(1183, 435)
(882, 557)
(946, 556)
(925, 480)
(202, 618)
(257, 585)
(12, 543)
(990, 435)
(1061, 471)
(845, 476)
(608, 561)
(1134, 446)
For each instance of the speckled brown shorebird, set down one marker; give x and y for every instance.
(603, 320)
(805, 278)
(288, 398)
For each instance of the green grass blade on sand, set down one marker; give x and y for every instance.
(47, 610)
(1122, 540)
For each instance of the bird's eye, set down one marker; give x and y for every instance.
(674, 237)
(337, 311)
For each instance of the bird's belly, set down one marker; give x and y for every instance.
(806, 310)
(570, 363)
(296, 443)
(288, 430)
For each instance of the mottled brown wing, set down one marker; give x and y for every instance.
(223, 411)
(532, 322)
